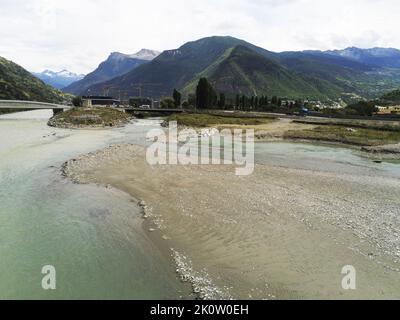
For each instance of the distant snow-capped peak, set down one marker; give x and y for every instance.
(354, 52)
(63, 73)
(146, 54)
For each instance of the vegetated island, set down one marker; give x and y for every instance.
(81, 118)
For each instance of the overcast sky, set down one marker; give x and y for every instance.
(78, 34)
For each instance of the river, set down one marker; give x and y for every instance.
(93, 236)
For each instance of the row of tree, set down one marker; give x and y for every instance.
(206, 97)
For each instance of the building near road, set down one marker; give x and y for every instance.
(388, 109)
(91, 101)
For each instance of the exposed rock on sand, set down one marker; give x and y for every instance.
(201, 282)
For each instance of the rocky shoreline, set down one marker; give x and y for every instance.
(202, 285)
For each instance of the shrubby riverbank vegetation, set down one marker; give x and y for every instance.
(200, 120)
(348, 135)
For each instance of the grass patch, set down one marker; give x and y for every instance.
(80, 117)
(206, 120)
(365, 124)
(354, 136)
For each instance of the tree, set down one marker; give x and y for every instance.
(243, 103)
(213, 96)
(206, 97)
(363, 108)
(77, 102)
(177, 98)
(221, 101)
(192, 100)
(274, 100)
(298, 104)
(202, 94)
(185, 105)
(262, 102)
(167, 103)
(237, 101)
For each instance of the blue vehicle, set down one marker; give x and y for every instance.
(304, 112)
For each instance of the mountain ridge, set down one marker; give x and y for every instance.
(16, 83)
(321, 74)
(376, 56)
(115, 65)
(244, 71)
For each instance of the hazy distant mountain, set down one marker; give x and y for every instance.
(117, 64)
(378, 57)
(59, 79)
(235, 70)
(16, 83)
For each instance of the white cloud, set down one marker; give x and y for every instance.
(78, 34)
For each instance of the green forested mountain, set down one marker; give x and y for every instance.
(245, 71)
(174, 68)
(16, 83)
(235, 66)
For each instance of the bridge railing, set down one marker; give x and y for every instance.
(31, 104)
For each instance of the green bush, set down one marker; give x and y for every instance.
(167, 103)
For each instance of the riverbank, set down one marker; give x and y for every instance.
(86, 118)
(257, 238)
(377, 139)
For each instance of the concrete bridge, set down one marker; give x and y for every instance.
(32, 105)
